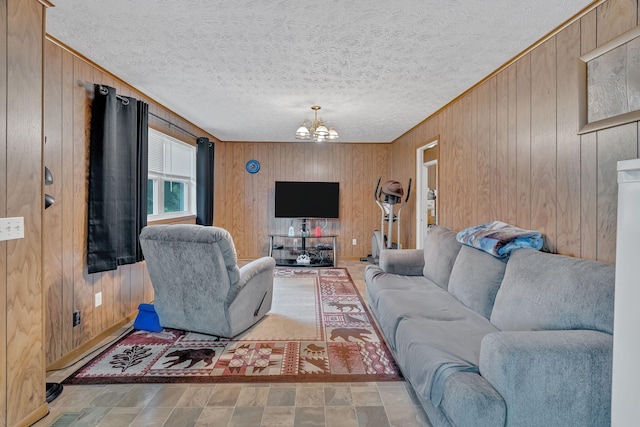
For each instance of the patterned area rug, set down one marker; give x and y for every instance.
(318, 330)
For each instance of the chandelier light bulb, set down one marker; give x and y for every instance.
(303, 132)
(322, 130)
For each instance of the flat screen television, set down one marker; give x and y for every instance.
(298, 199)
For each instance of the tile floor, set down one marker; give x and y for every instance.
(370, 404)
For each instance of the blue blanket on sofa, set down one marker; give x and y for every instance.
(499, 239)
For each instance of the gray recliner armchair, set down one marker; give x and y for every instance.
(197, 283)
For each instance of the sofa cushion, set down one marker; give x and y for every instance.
(377, 280)
(396, 305)
(440, 251)
(542, 291)
(475, 279)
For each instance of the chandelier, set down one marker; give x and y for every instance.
(316, 128)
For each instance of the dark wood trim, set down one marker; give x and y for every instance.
(75, 356)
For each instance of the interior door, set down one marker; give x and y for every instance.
(427, 191)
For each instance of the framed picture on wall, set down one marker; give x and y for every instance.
(609, 84)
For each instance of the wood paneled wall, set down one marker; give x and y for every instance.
(67, 284)
(3, 213)
(509, 148)
(244, 203)
(22, 359)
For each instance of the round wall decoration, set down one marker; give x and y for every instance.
(253, 166)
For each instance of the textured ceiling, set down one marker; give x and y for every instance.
(249, 70)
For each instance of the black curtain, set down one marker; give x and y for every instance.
(143, 172)
(204, 182)
(117, 179)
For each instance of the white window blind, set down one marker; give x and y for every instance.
(172, 170)
(156, 152)
(169, 156)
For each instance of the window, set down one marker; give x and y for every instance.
(171, 185)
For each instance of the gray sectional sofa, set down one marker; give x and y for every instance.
(489, 342)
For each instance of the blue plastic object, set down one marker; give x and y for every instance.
(147, 319)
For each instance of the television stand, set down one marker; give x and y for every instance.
(287, 250)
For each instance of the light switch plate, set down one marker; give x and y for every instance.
(12, 228)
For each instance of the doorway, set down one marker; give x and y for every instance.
(426, 189)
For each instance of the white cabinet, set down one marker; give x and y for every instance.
(626, 338)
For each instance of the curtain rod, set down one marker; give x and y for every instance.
(104, 91)
(174, 125)
(125, 101)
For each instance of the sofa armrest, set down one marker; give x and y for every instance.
(470, 401)
(552, 377)
(408, 262)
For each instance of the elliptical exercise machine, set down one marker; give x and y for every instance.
(387, 197)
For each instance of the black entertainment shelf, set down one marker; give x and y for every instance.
(320, 253)
(290, 262)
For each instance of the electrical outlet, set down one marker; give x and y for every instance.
(354, 242)
(98, 299)
(76, 318)
(12, 228)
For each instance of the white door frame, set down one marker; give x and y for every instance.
(419, 190)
